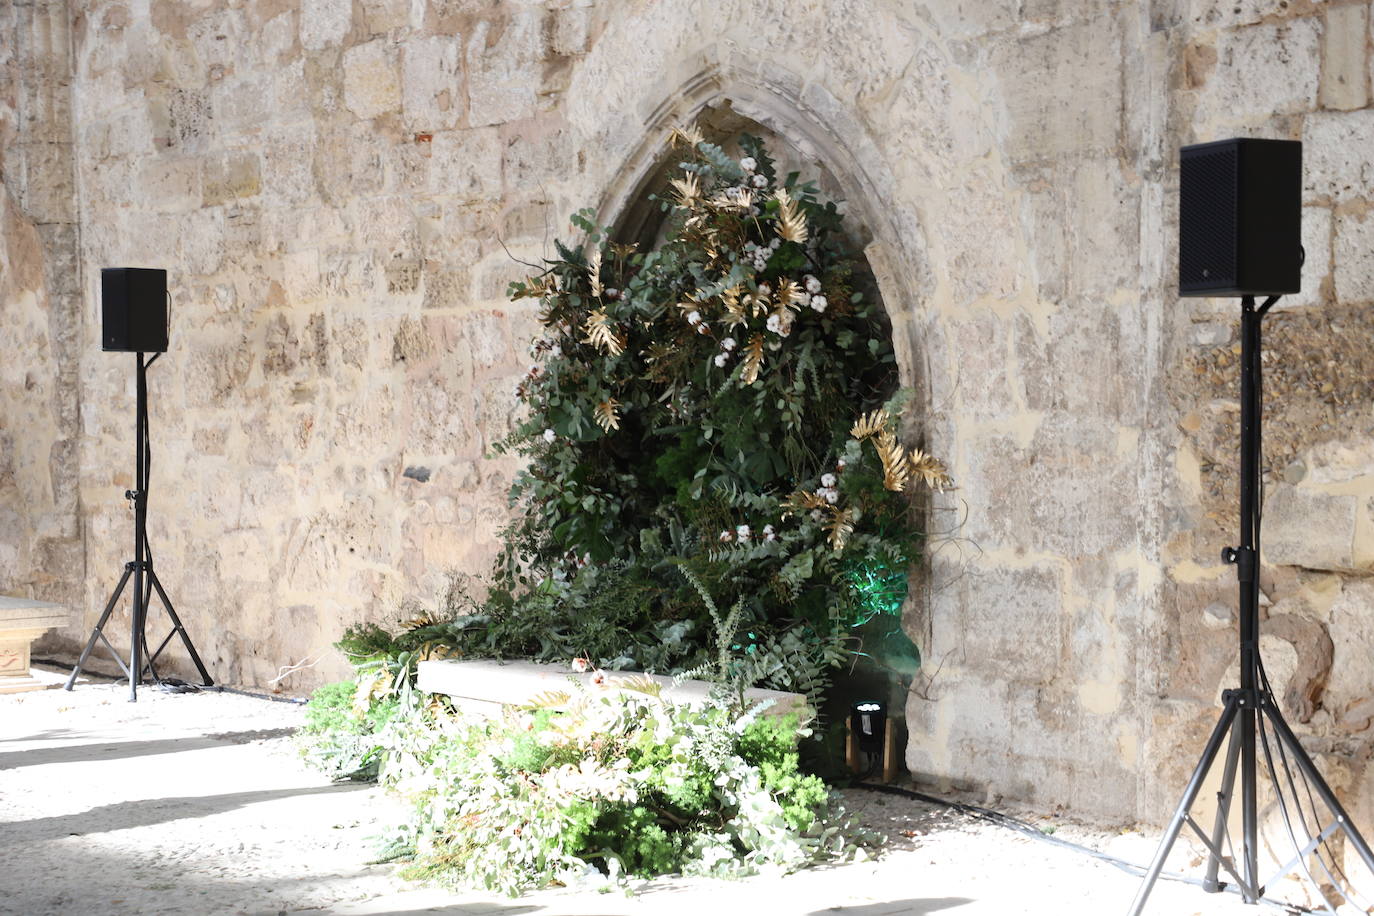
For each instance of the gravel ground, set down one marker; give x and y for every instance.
(198, 803)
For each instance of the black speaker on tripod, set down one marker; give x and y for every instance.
(1240, 218)
(133, 305)
(1240, 234)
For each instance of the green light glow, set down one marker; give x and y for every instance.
(879, 589)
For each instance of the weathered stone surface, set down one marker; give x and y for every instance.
(1262, 71)
(371, 83)
(1353, 252)
(1309, 528)
(1338, 154)
(1345, 57)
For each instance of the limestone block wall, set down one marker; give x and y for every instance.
(40, 526)
(335, 187)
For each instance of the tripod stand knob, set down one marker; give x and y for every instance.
(132, 495)
(1229, 555)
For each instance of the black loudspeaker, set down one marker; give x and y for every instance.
(133, 305)
(1240, 218)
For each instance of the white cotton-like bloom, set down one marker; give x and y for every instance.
(832, 495)
(759, 181)
(556, 352)
(817, 515)
(748, 164)
(765, 289)
(580, 665)
(819, 303)
(812, 284)
(776, 243)
(612, 293)
(726, 537)
(720, 360)
(774, 324)
(728, 343)
(694, 318)
(769, 534)
(827, 480)
(550, 435)
(840, 464)
(743, 533)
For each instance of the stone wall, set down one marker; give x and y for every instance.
(335, 187)
(40, 308)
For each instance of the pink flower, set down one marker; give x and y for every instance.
(580, 665)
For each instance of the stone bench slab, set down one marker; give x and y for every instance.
(22, 620)
(485, 685)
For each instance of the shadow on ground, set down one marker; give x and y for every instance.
(145, 812)
(916, 906)
(114, 750)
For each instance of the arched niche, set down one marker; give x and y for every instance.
(723, 108)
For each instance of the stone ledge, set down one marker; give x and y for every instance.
(24, 614)
(23, 620)
(485, 685)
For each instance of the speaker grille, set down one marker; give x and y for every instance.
(1207, 221)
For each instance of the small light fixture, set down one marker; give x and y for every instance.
(868, 725)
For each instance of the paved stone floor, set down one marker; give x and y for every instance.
(198, 803)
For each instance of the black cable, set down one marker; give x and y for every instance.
(1006, 821)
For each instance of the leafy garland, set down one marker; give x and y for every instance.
(726, 402)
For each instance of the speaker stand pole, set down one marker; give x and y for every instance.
(1247, 707)
(140, 660)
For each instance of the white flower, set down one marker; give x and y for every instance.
(817, 515)
(774, 324)
(769, 534)
(827, 480)
(556, 352)
(759, 181)
(777, 241)
(694, 318)
(748, 164)
(832, 495)
(812, 284)
(728, 343)
(743, 533)
(726, 537)
(580, 665)
(550, 435)
(819, 303)
(598, 679)
(840, 464)
(765, 289)
(720, 360)
(612, 293)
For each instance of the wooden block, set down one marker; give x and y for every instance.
(890, 753)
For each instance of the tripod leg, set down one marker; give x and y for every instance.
(1224, 796)
(176, 622)
(1309, 770)
(1209, 755)
(100, 625)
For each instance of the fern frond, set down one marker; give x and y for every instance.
(688, 136)
(791, 219)
(753, 360)
(896, 469)
(549, 699)
(640, 683)
(869, 424)
(841, 526)
(594, 271)
(606, 416)
(930, 470)
(601, 335)
(688, 190)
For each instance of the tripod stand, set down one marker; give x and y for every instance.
(1249, 708)
(140, 569)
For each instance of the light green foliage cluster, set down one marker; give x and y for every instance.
(340, 738)
(607, 783)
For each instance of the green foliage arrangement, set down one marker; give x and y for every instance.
(726, 403)
(605, 783)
